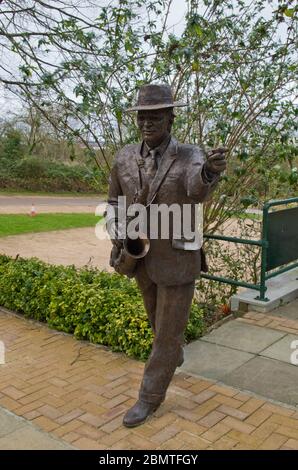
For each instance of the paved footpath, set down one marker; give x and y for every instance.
(63, 393)
(21, 204)
(18, 433)
(258, 352)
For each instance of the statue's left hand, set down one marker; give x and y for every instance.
(216, 161)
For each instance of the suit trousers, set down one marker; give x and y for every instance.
(168, 309)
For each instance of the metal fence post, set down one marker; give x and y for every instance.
(263, 287)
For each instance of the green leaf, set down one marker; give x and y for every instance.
(289, 12)
(198, 30)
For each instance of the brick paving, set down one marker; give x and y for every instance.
(287, 325)
(79, 392)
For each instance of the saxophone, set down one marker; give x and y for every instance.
(124, 256)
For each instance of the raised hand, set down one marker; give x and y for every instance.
(216, 161)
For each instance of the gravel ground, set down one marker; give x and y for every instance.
(76, 246)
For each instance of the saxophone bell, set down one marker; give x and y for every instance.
(137, 248)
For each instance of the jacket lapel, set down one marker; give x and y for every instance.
(137, 161)
(166, 162)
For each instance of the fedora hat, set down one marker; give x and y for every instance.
(155, 97)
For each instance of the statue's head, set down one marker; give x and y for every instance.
(155, 108)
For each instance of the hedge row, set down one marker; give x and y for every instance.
(93, 305)
(35, 174)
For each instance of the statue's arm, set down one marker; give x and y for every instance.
(199, 180)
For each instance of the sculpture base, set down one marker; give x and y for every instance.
(280, 290)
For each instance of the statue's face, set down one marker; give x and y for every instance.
(154, 125)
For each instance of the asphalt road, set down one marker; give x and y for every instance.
(13, 201)
(22, 204)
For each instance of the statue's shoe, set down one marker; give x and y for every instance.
(139, 413)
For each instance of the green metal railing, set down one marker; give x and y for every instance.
(264, 243)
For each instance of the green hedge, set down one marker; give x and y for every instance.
(93, 305)
(36, 174)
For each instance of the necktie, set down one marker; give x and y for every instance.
(150, 164)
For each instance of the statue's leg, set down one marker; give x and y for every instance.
(172, 312)
(149, 292)
(168, 311)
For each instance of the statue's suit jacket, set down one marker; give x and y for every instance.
(180, 179)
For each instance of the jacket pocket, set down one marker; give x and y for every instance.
(187, 245)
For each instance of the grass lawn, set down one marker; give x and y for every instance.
(16, 224)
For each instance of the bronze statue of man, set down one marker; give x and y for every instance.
(167, 172)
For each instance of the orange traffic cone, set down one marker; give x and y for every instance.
(33, 211)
